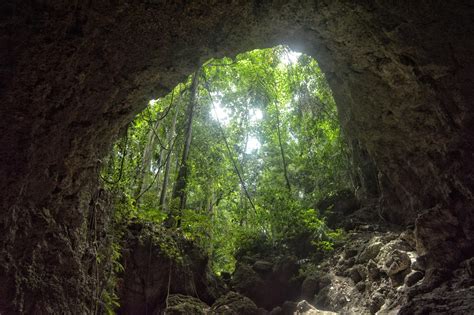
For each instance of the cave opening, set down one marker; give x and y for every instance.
(254, 143)
(259, 138)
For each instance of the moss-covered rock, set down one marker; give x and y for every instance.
(179, 304)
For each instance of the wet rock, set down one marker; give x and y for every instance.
(234, 304)
(413, 277)
(179, 304)
(369, 252)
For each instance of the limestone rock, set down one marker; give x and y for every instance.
(370, 252)
(234, 304)
(413, 277)
(357, 273)
(398, 262)
(373, 271)
(376, 302)
(304, 308)
(360, 286)
(179, 304)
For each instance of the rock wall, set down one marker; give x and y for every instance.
(74, 73)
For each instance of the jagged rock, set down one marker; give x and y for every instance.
(373, 271)
(398, 262)
(413, 278)
(350, 252)
(179, 304)
(376, 302)
(304, 308)
(388, 249)
(234, 304)
(360, 286)
(409, 237)
(357, 273)
(369, 252)
(419, 264)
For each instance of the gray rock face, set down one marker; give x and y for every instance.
(370, 252)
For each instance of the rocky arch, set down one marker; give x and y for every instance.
(73, 74)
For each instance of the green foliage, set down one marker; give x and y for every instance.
(266, 146)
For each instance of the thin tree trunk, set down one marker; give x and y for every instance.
(181, 180)
(146, 158)
(171, 135)
(282, 151)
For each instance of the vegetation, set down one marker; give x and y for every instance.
(238, 154)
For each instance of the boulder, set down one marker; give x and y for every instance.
(369, 252)
(398, 262)
(179, 304)
(268, 284)
(234, 304)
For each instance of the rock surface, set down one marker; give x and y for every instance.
(74, 73)
(234, 304)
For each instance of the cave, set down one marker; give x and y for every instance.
(73, 74)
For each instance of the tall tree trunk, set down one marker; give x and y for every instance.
(181, 180)
(146, 158)
(282, 151)
(166, 176)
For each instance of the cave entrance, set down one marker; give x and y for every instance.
(237, 158)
